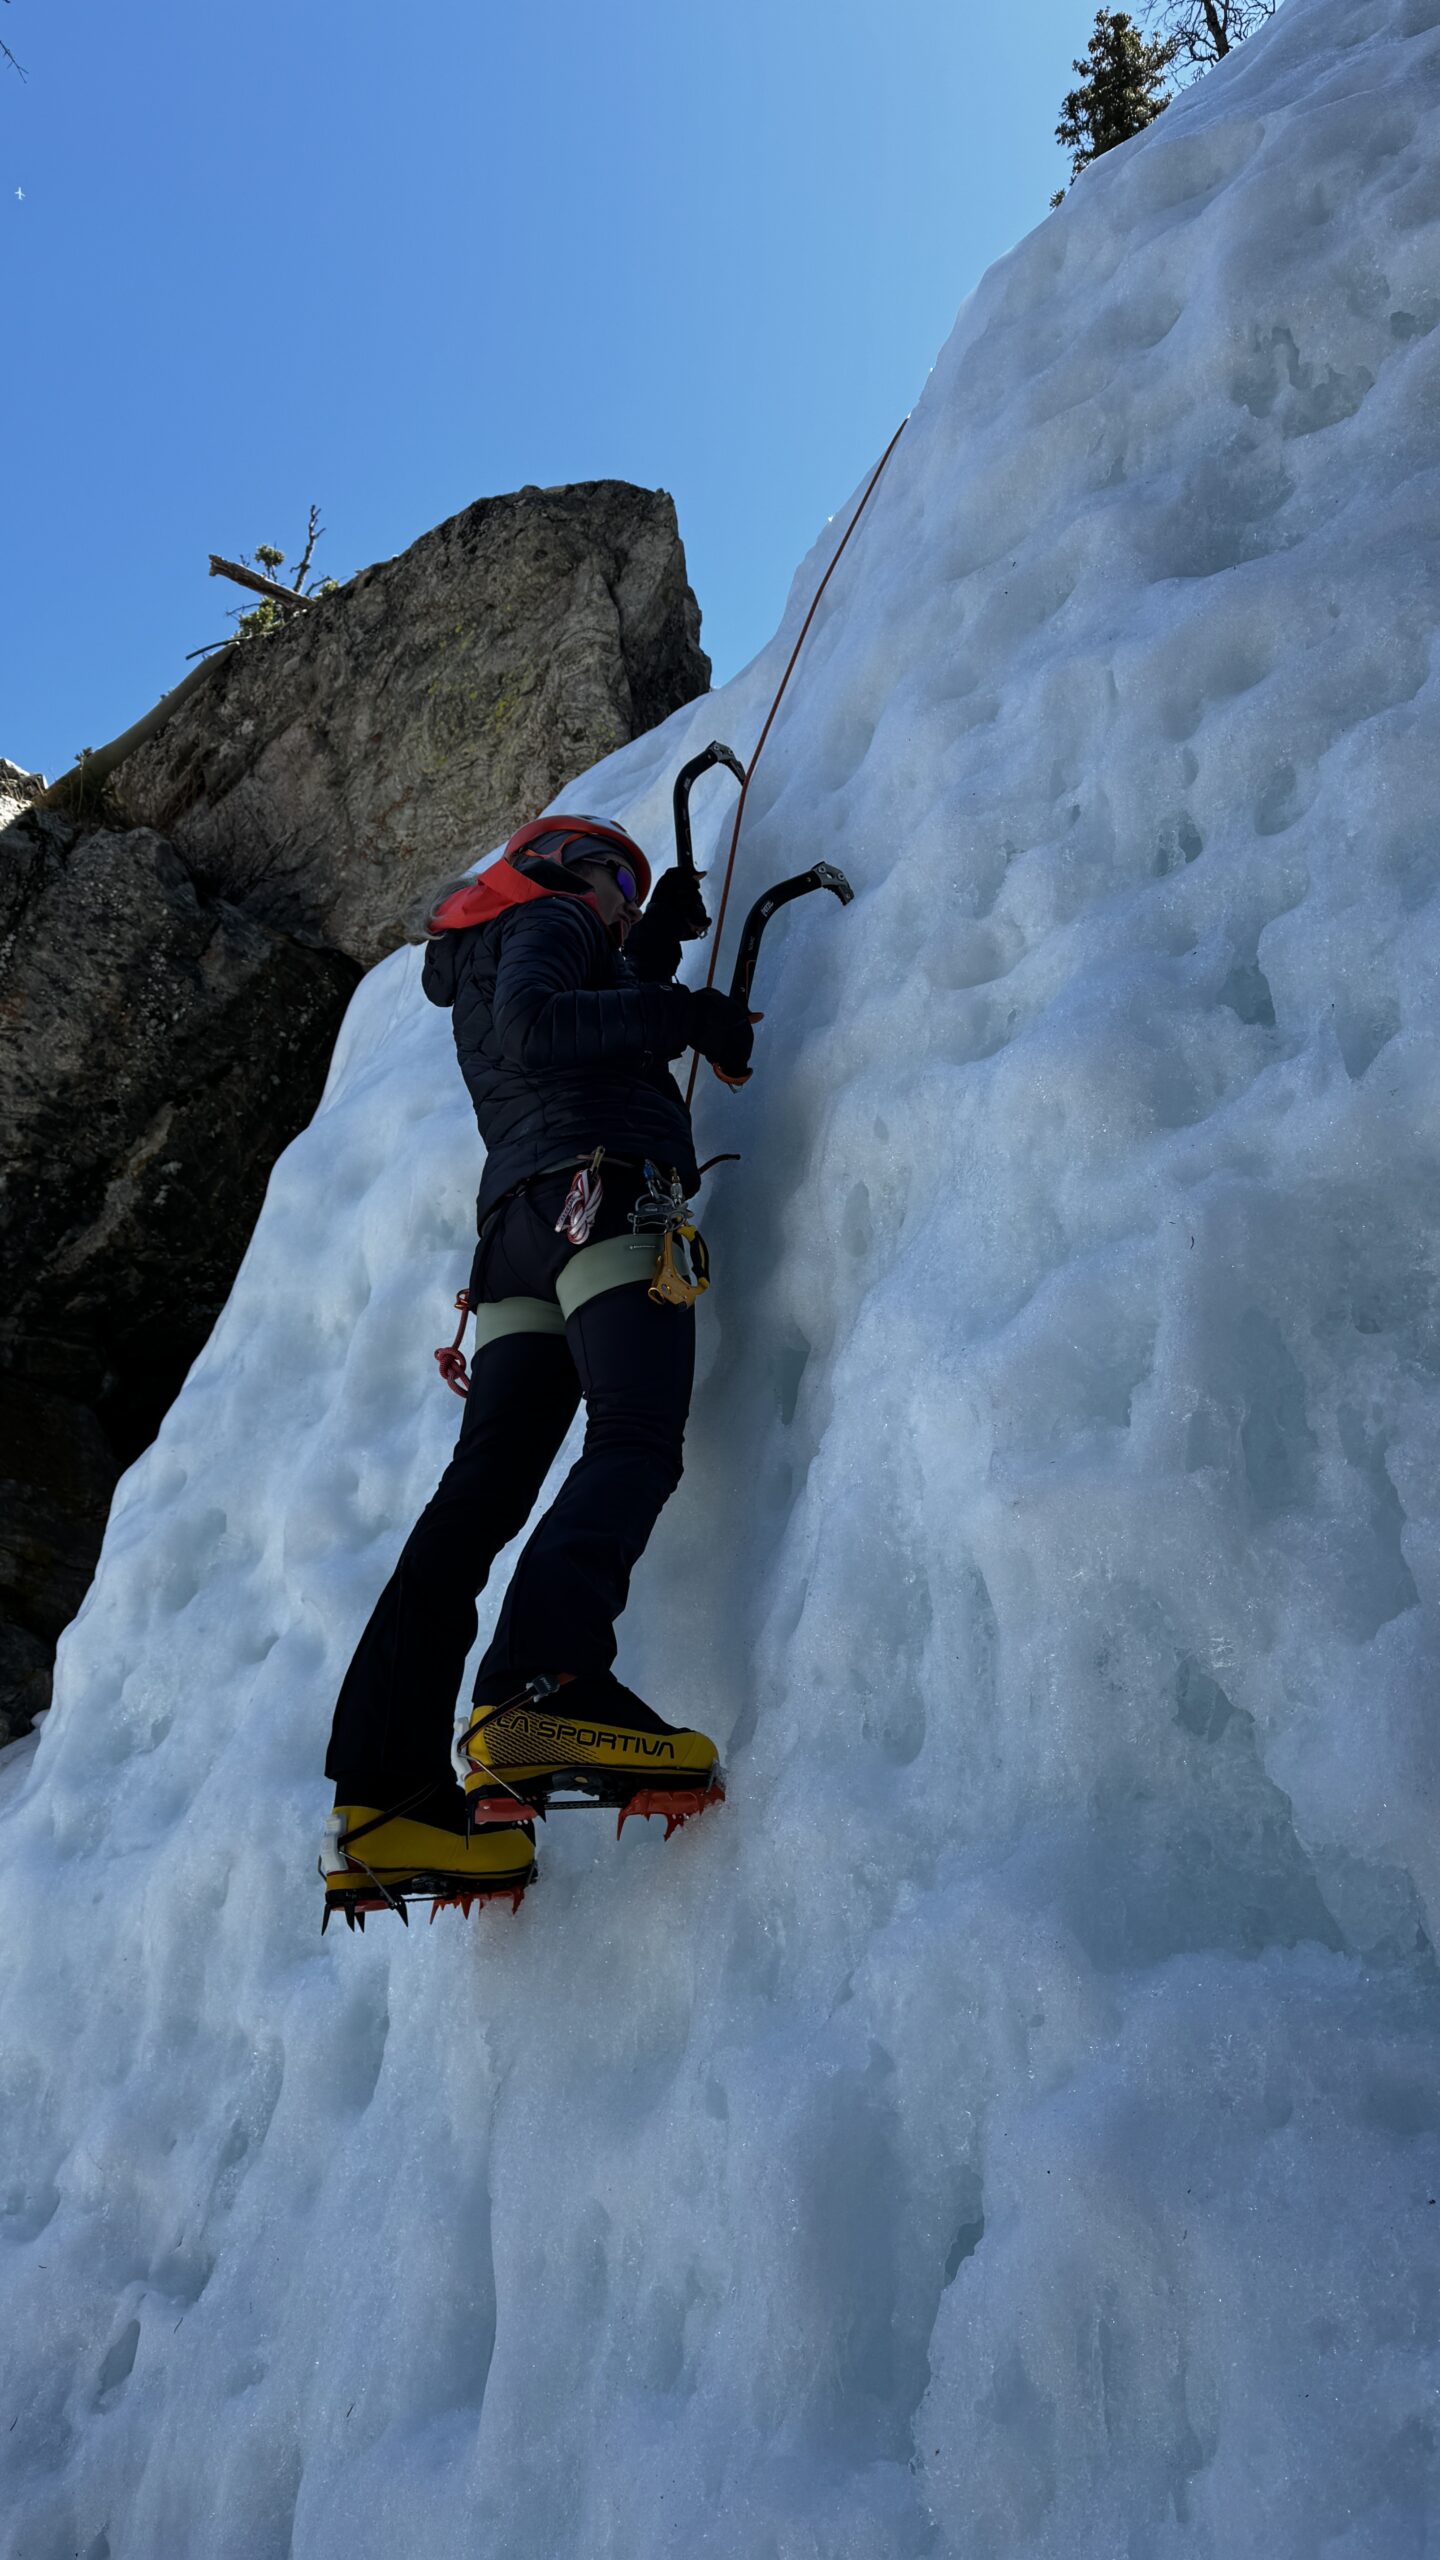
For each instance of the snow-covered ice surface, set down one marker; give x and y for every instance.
(1012, 2126)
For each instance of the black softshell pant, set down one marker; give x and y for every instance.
(633, 1361)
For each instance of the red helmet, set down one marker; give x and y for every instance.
(568, 831)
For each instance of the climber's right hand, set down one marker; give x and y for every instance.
(721, 1030)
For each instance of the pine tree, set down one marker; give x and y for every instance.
(1121, 92)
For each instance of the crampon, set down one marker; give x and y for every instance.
(677, 1805)
(380, 1862)
(436, 1890)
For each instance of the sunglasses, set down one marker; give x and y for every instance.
(622, 875)
(620, 871)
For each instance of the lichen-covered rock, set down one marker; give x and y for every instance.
(157, 1049)
(393, 731)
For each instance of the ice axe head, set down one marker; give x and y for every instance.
(685, 781)
(821, 875)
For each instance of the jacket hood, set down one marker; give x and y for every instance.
(510, 882)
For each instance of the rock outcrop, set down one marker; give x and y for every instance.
(171, 981)
(158, 1047)
(396, 729)
(17, 789)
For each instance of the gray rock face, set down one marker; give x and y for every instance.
(17, 789)
(158, 1048)
(395, 730)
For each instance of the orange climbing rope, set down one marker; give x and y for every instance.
(770, 722)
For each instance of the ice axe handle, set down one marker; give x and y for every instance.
(822, 875)
(685, 780)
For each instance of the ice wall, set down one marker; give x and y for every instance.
(1012, 2126)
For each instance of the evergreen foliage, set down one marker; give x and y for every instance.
(270, 614)
(1122, 89)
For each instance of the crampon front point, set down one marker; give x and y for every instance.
(678, 1804)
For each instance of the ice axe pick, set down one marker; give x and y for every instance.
(821, 875)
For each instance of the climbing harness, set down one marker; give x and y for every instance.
(664, 1248)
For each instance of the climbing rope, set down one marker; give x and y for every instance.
(835, 561)
(451, 1362)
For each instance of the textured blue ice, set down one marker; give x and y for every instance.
(1010, 2130)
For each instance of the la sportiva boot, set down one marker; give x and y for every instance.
(562, 1740)
(374, 1861)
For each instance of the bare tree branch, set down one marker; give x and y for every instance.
(251, 578)
(1204, 31)
(313, 533)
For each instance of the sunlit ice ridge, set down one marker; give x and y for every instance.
(1007, 2129)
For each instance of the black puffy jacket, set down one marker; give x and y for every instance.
(563, 1043)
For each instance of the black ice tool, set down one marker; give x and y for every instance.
(685, 781)
(823, 875)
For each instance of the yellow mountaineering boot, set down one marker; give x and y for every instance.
(374, 1861)
(588, 1740)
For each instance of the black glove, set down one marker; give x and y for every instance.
(677, 907)
(722, 1032)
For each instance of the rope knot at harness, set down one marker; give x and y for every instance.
(451, 1359)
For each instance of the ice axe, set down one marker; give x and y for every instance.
(685, 781)
(822, 875)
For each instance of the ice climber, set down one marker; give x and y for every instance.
(566, 1013)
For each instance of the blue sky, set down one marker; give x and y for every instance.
(398, 258)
